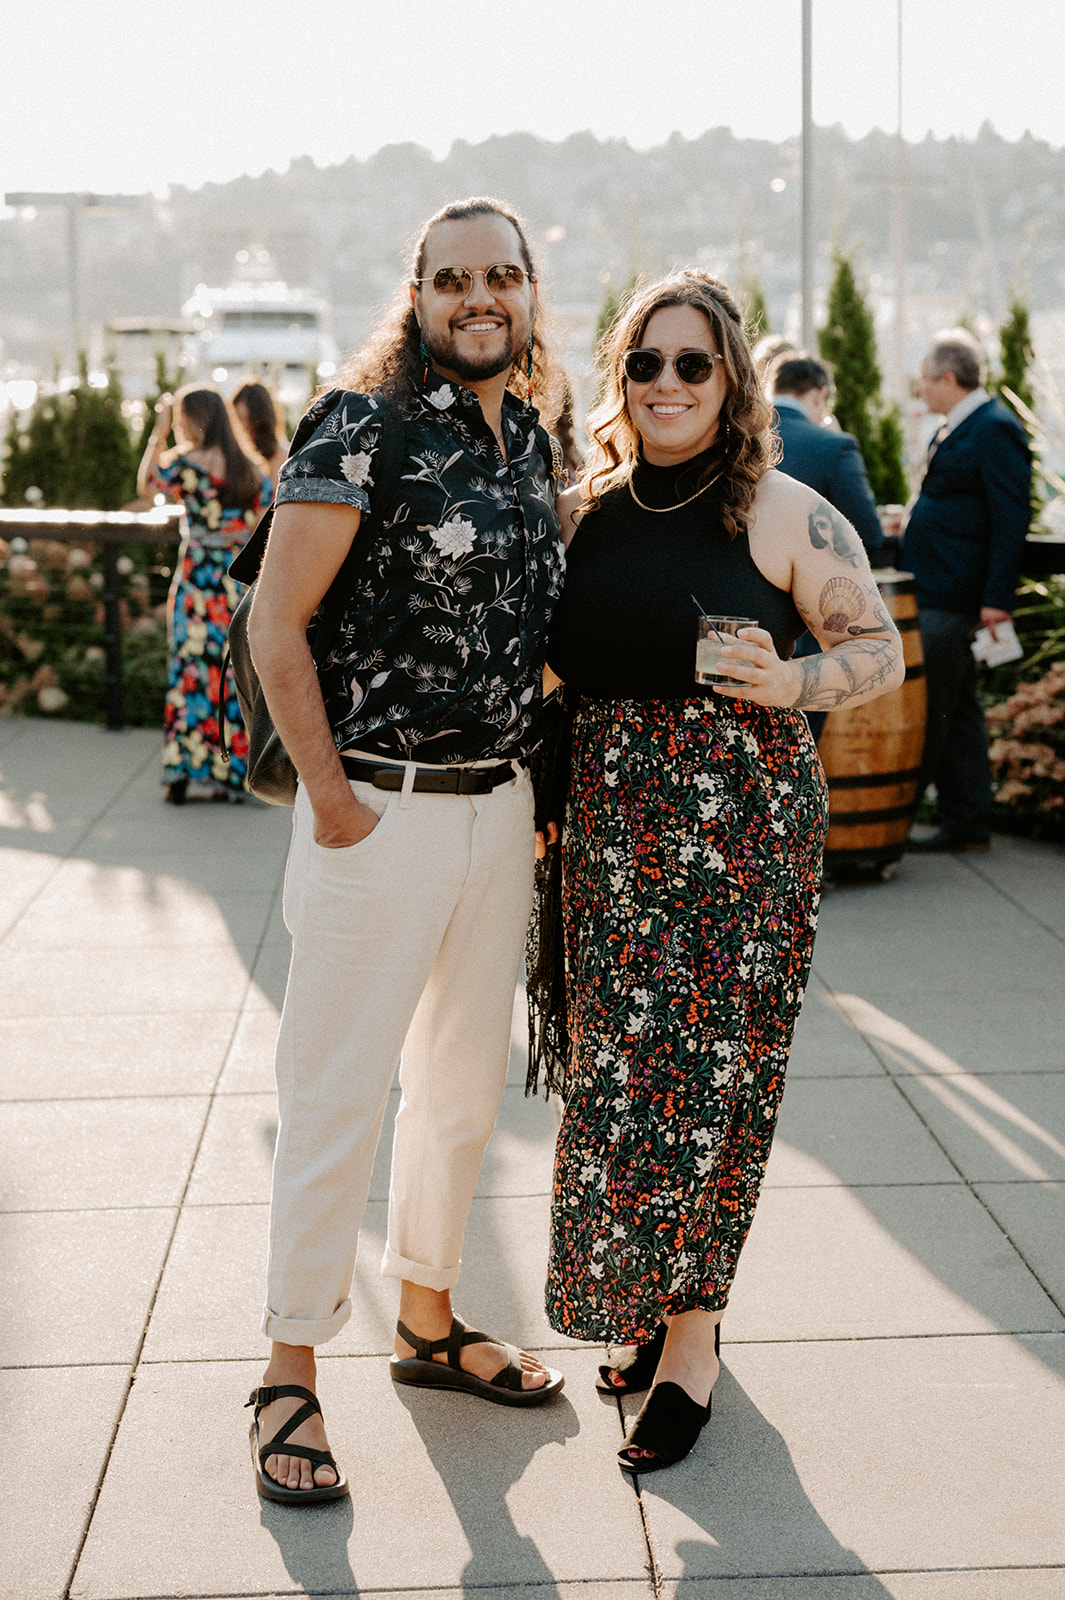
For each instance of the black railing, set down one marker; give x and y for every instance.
(1044, 554)
(111, 530)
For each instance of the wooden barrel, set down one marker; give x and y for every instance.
(872, 753)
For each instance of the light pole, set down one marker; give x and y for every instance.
(74, 205)
(806, 224)
(898, 228)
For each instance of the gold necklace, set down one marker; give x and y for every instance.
(660, 511)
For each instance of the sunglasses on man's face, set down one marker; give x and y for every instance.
(691, 366)
(454, 283)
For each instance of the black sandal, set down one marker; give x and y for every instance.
(268, 1487)
(638, 1368)
(668, 1425)
(422, 1372)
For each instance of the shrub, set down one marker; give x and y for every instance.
(1028, 751)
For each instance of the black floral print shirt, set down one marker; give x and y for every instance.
(440, 654)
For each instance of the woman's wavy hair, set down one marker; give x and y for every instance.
(391, 362)
(263, 421)
(205, 409)
(748, 448)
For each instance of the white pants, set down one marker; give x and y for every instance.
(415, 934)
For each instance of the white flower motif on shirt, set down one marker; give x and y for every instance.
(442, 398)
(455, 537)
(356, 469)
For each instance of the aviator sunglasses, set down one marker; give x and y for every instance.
(691, 366)
(454, 283)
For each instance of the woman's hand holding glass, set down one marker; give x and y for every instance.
(762, 677)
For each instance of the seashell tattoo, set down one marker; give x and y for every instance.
(842, 602)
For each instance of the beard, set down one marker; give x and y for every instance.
(444, 353)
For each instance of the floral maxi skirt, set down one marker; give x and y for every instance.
(693, 847)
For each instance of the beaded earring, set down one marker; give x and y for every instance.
(530, 395)
(424, 353)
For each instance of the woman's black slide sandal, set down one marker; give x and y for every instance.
(268, 1487)
(668, 1425)
(505, 1389)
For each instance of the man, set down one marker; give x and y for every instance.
(409, 880)
(824, 458)
(963, 543)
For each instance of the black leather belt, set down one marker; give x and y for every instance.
(429, 780)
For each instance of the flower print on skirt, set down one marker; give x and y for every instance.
(693, 846)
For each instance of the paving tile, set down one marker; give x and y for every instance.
(1019, 867)
(910, 951)
(210, 1300)
(1033, 1216)
(61, 1057)
(852, 1130)
(116, 906)
(105, 982)
(249, 1066)
(235, 1159)
(995, 1127)
(67, 1155)
(833, 1458)
(77, 1286)
(488, 1480)
(880, 1262)
(1023, 1584)
(1010, 1029)
(66, 1417)
(825, 1044)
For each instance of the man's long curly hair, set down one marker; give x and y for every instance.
(747, 447)
(391, 362)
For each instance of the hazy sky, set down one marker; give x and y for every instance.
(127, 95)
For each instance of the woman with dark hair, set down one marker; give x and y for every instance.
(693, 837)
(223, 492)
(254, 408)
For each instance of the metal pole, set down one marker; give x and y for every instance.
(898, 230)
(807, 179)
(116, 697)
(73, 209)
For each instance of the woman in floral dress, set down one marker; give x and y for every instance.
(223, 492)
(693, 839)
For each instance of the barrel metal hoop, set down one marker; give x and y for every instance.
(875, 780)
(859, 819)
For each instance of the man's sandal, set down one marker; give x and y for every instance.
(268, 1487)
(505, 1389)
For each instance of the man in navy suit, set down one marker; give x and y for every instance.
(963, 544)
(824, 458)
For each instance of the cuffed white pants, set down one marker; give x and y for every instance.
(408, 941)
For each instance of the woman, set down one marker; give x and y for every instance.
(223, 492)
(693, 837)
(253, 406)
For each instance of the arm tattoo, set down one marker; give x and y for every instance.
(884, 624)
(842, 603)
(864, 665)
(829, 531)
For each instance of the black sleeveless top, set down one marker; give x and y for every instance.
(626, 624)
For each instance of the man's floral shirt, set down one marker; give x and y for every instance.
(440, 653)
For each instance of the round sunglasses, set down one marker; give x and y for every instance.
(691, 366)
(454, 283)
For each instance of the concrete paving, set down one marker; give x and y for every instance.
(890, 1420)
